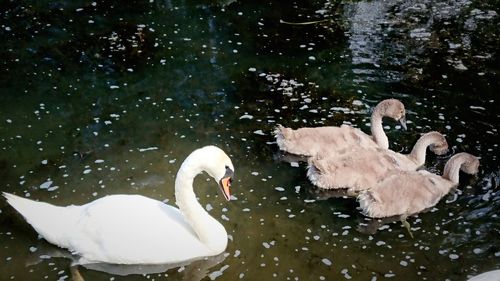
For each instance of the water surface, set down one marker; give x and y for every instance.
(105, 97)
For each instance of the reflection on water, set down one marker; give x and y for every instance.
(193, 270)
(367, 40)
(103, 98)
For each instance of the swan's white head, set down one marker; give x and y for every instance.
(219, 167)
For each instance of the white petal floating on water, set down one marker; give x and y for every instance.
(147, 149)
(46, 184)
(215, 274)
(246, 116)
(259, 132)
(477, 107)
(357, 102)
(326, 261)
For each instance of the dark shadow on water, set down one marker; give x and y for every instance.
(325, 194)
(282, 156)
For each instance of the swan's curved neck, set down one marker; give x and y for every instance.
(209, 231)
(452, 169)
(419, 150)
(377, 129)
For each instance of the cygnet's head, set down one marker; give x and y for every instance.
(394, 109)
(470, 165)
(440, 146)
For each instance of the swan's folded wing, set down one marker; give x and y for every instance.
(133, 229)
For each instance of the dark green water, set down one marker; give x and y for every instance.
(109, 97)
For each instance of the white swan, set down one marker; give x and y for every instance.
(405, 193)
(133, 229)
(493, 275)
(331, 139)
(364, 167)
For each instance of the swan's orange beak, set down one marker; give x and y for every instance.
(225, 184)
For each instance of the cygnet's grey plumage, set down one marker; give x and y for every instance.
(364, 167)
(406, 193)
(331, 139)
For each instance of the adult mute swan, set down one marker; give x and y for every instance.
(493, 275)
(312, 141)
(404, 193)
(364, 167)
(133, 229)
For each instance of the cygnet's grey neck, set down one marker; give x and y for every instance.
(419, 151)
(377, 130)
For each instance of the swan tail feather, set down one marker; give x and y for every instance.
(322, 175)
(369, 204)
(313, 174)
(49, 221)
(282, 134)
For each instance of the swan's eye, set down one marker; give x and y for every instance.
(229, 172)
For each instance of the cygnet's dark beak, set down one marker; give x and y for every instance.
(402, 121)
(225, 183)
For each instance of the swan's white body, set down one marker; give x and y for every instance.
(493, 275)
(364, 167)
(330, 139)
(133, 229)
